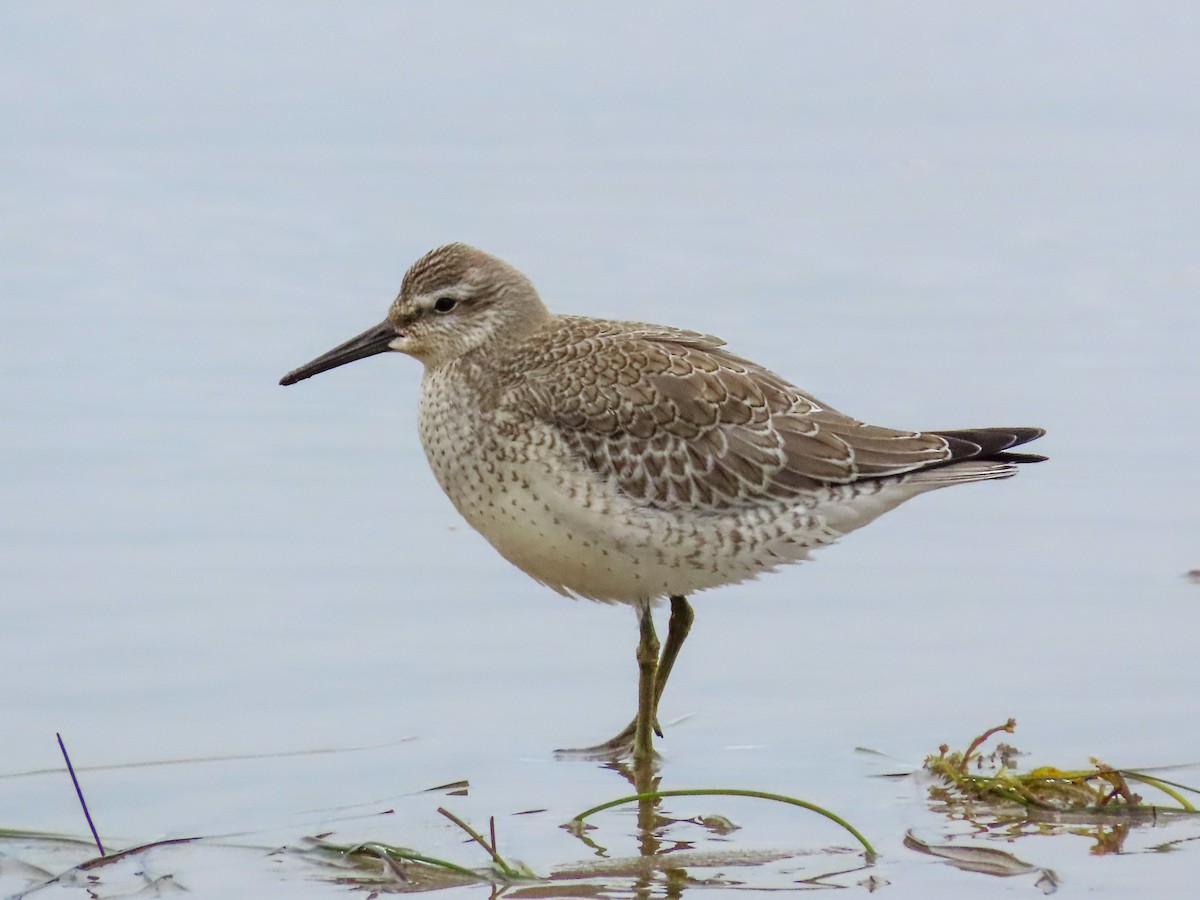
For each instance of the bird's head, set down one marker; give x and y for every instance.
(453, 300)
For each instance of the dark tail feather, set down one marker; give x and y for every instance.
(1019, 457)
(991, 444)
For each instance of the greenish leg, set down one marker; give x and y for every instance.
(647, 658)
(682, 617)
(659, 670)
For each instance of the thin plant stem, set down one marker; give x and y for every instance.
(1165, 786)
(1008, 726)
(412, 856)
(79, 793)
(478, 838)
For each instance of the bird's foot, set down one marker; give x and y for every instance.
(619, 746)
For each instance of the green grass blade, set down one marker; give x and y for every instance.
(734, 792)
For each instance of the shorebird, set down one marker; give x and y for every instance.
(628, 462)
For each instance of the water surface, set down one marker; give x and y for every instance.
(930, 218)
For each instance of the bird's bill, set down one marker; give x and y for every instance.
(370, 342)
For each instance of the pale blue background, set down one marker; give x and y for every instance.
(927, 214)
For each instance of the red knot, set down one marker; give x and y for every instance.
(629, 462)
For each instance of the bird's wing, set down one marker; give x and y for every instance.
(679, 423)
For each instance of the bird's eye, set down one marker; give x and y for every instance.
(444, 304)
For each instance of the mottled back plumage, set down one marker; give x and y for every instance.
(679, 423)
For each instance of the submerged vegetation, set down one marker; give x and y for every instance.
(981, 786)
(383, 867)
(1100, 790)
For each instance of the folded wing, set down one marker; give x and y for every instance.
(679, 423)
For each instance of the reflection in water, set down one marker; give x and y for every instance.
(1109, 838)
(983, 860)
(664, 863)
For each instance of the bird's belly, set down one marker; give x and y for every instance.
(561, 534)
(561, 548)
(580, 535)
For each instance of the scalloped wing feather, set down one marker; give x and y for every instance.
(679, 423)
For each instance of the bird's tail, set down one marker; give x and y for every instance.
(991, 443)
(964, 472)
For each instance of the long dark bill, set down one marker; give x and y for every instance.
(370, 342)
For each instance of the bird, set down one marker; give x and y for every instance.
(634, 463)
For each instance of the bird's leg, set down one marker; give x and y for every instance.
(623, 743)
(677, 632)
(647, 658)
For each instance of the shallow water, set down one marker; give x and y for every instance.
(936, 218)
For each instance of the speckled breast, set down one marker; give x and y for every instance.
(517, 483)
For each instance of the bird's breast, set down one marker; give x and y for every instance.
(517, 482)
